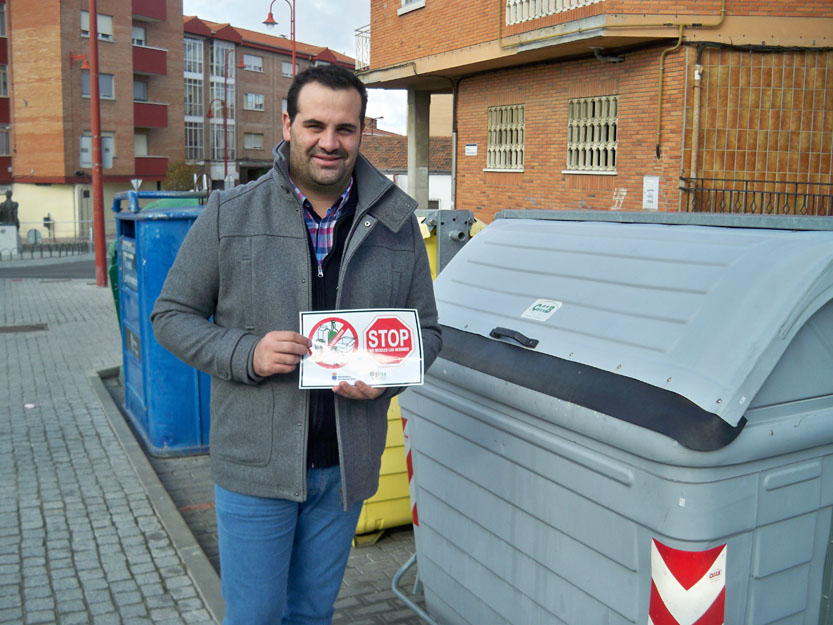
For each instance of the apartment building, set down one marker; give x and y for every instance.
(47, 137)
(714, 105)
(236, 81)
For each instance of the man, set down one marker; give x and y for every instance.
(323, 230)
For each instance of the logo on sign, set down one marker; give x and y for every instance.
(334, 342)
(542, 309)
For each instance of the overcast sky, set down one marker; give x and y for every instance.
(330, 23)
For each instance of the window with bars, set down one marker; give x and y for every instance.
(193, 97)
(193, 56)
(505, 149)
(193, 141)
(592, 133)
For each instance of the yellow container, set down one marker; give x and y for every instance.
(391, 505)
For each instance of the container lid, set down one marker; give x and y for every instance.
(698, 310)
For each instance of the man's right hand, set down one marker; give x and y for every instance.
(279, 351)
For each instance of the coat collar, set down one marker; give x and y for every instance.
(372, 187)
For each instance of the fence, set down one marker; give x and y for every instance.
(757, 197)
(38, 240)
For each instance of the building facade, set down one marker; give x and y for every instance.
(236, 81)
(714, 105)
(50, 145)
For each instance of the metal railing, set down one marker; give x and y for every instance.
(363, 47)
(46, 249)
(756, 197)
(518, 11)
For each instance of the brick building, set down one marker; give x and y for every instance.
(249, 73)
(49, 137)
(611, 104)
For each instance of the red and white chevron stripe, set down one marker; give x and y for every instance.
(409, 462)
(687, 587)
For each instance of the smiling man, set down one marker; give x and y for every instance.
(324, 230)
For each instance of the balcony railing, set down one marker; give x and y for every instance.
(757, 197)
(147, 60)
(150, 115)
(518, 11)
(363, 47)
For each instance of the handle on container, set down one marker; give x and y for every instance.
(506, 333)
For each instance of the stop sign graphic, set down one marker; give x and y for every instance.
(388, 340)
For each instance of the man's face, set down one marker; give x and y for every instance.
(324, 139)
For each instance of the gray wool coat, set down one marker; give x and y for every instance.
(246, 263)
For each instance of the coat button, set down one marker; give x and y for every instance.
(367, 224)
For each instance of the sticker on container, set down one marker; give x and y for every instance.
(542, 309)
(382, 347)
(687, 587)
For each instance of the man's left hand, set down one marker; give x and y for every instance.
(359, 390)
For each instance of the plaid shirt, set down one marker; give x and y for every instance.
(321, 228)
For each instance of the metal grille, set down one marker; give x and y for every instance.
(363, 47)
(757, 197)
(506, 137)
(518, 11)
(592, 134)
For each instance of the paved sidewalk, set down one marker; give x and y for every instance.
(88, 533)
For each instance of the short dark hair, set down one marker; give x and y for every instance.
(332, 76)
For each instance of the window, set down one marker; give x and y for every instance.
(105, 85)
(140, 90)
(139, 36)
(253, 102)
(107, 150)
(410, 5)
(222, 60)
(253, 141)
(193, 97)
(3, 20)
(5, 142)
(283, 106)
(104, 23)
(193, 141)
(219, 95)
(140, 144)
(217, 136)
(4, 81)
(253, 63)
(506, 138)
(286, 68)
(591, 134)
(193, 56)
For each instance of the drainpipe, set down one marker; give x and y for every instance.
(659, 90)
(695, 121)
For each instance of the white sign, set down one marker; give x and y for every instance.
(471, 149)
(542, 309)
(650, 193)
(380, 346)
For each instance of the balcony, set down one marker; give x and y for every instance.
(150, 10)
(147, 60)
(518, 11)
(150, 115)
(151, 166)
(363, 47)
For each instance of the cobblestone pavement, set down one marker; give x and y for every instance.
(81, 539)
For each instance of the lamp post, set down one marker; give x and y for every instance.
(271, 23)
(91, 63)
(210, 115)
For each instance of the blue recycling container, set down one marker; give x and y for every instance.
(166, 400)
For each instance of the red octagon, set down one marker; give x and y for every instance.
(388, 340)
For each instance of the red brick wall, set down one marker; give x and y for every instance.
(545, 91)
(446, 25)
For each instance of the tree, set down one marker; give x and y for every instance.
(180, 177)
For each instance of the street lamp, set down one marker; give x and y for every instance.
(91, 63)
(271, 23)
(224, 100)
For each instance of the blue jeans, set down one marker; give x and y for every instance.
(282, 562)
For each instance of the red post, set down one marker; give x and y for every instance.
(95, 120)
(292, 32)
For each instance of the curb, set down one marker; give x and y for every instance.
(205, 578)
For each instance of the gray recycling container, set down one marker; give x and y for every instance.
(630, 422)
